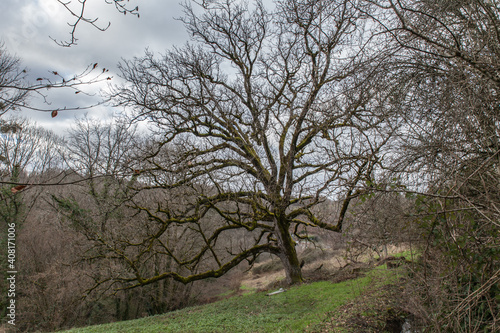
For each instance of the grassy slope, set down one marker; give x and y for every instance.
(301, 308)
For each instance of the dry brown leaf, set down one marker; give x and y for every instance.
(17, 188)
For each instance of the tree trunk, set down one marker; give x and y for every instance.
(288, 254)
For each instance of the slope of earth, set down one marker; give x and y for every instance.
(310, 307)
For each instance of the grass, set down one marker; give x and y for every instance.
(408, 254)
(247, 289)
(244, 290)
(377, 309)
(301, 308)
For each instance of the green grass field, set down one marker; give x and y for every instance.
(301, 308)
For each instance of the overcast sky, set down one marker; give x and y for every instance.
(26, 25)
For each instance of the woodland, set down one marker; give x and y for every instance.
(363, 123)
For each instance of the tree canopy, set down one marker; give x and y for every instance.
(263, 116)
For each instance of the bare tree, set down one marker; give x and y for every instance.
(25, 152)
(11, 77)
(78, 10)
(378, 220)
(263, 117)
(15, 88)
(102, 208)
(98, 155)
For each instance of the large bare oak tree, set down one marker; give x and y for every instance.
(260, 118)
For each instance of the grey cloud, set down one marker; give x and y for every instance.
(26, 25)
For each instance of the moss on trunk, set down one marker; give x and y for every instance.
(288, 254)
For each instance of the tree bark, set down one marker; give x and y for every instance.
(288, 254)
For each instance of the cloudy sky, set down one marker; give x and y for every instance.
(27, 25)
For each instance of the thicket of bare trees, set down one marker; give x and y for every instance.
(452, 149)
(23, 146)
(78, 205)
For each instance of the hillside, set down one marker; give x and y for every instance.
(366, 302)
